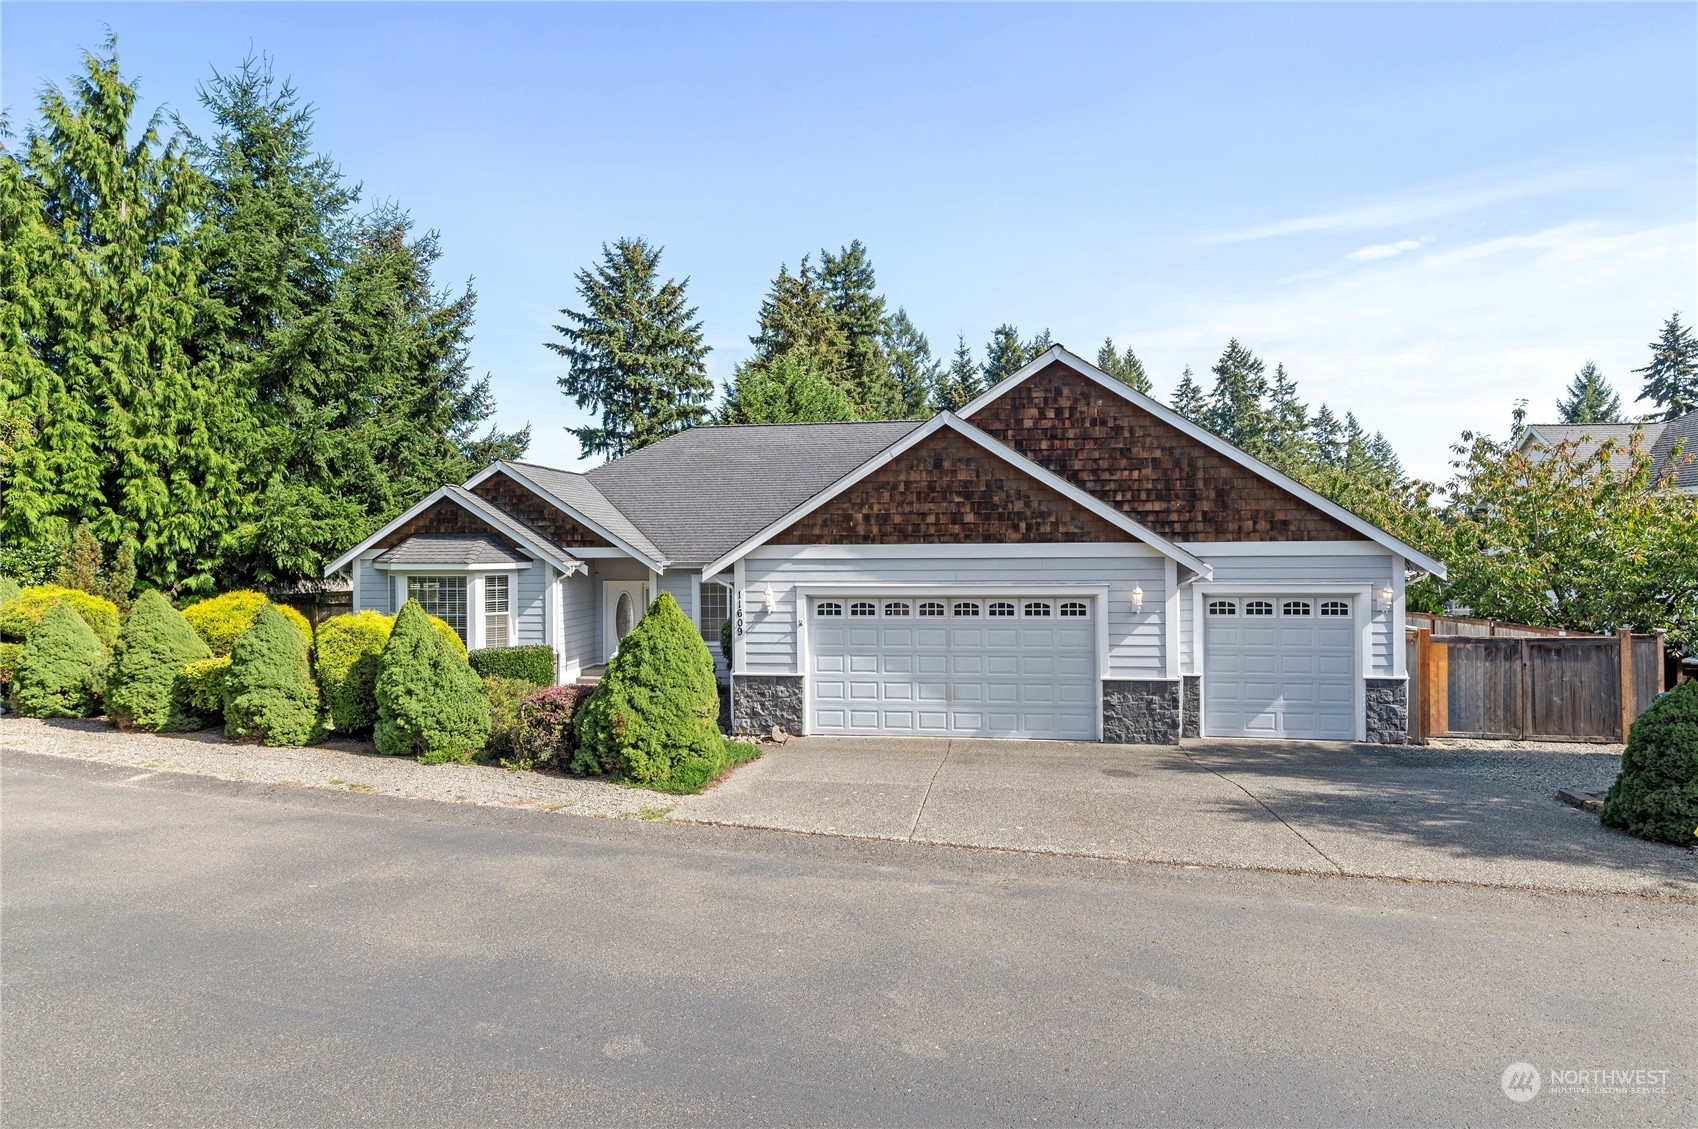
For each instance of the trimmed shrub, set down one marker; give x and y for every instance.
(221, 620)
(655, 716)
(1656, 795)
(60, 666)
(544, 733)
(9, 662)
(505, 696)
(268, 690)
(202, 685)
(533, 664)
(346, 659)
(20, 614)
(430, 704)
(8, 588)
(142, 687)
(725, 641)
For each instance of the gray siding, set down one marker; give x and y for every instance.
(375, 588)
(681, 585)
(1135, 642)
(578, 603)
(530, 605)
(1187, 629)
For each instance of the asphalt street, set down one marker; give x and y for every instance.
(178, 950)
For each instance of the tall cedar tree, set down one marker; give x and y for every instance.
(1590, 399)
(1671, 379)
(851, 292)
(913, 369)
(960, 382)
(110, 417)
(1123, 366)
(635, 355)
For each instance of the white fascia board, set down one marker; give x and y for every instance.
(348, 558)
(1007, 454)
(649, 560)
(1202, 435)
(448, 568)
(469, 501)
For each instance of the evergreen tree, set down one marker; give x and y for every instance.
(1671, 379)
(785, 389)
(636, 354)
(1289, 447)
(1590, 399)
(852, 296)
(1006, 354)
(1124, 367)
(1188, 399)
(796, 313)
(1235, 410)
(960, 383)
(913, 369)
(1326, 438)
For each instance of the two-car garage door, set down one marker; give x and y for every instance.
(1279, 666)
(954, 666)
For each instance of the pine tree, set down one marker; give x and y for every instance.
(912, 367)
(1235, 409)
(851, 293)
(785, 389)
(796, 313)
(1124, 367)
(1326, 438)
(1188, 399)
(1590, 399)
(1006, 354)
(636, 354)
(1288, 448)
(960, 383)
(1671, 379)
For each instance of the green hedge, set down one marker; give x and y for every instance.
(430, 703)
(346, 659)
(533, 664)
(202, 685)
(143, 686)
(544, 733)
(654, 718)
(8, 588)
(9, 662)
(221, 620)
(1656, 795)
(20, 614)
(268, 689)
(60, 667)
(506, 696)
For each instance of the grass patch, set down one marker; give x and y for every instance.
(645, 813)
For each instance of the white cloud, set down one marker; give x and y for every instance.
(1387, 250)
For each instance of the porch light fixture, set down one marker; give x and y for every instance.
(768, 599)
(1384, 598)
(1137, 599)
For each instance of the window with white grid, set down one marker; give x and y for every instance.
(497, 614)
(443, 597)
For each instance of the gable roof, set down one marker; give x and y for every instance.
(1013, 458)
(493, 516)
(701, 492)
(1202, 435)
(577, 496)
(1661, 438)
(464, 550)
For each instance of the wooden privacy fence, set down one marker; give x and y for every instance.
(1576, 687)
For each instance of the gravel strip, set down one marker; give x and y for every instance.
(352, 766)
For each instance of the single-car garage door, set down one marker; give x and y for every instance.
(1279, 666)
(954, 666)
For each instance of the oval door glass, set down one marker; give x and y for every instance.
(622, 615)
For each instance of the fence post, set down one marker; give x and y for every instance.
(1662, 662)
(1524, 716)
(1424, 681)
(1624, 637)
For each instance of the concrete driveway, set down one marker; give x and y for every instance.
(1484, 817)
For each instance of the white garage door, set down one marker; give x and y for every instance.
(954, 666)
(1279, 666)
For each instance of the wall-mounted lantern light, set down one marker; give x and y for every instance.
(1384, 598)
(768, 599)
(1137, 599)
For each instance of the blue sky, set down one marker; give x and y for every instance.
(1425, 211)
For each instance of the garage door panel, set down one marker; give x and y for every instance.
(1291, 674)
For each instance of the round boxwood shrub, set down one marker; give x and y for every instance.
(533, 664)
(430, 703)
(346, 659)
(268, 690)
(655, 716)
(60, 666)
(20, 614)
(202, 685)
(143, 686)
(1656, 795)
(221, 620)
(544, 733)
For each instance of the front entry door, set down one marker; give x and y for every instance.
(622, 603)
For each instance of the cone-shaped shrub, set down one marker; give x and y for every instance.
(143, 687)
(20, 614)
(346, 659)
(1656, 795)
(8, 588)
(268, 690)
(221, 620)
(60, 666)
(430, 703)
(654, 717)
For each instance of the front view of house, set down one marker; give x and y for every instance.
(1064, 558)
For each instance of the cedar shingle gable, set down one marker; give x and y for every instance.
(553, 523)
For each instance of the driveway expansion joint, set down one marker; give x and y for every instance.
(914, 830)
(1260, 803)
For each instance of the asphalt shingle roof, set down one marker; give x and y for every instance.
(702, 492)
(578, 492)
(1661, 436)
(452, 549)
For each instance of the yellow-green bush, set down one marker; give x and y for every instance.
(222, 619)
(347, 658)
(202, 684)
(20, 614)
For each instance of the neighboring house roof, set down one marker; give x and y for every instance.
(1202, 435)
(1661, 439)
(1007, 454)
(466, 550)
(702, 492)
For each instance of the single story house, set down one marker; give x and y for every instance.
(1671, 443)
(1062, 558)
